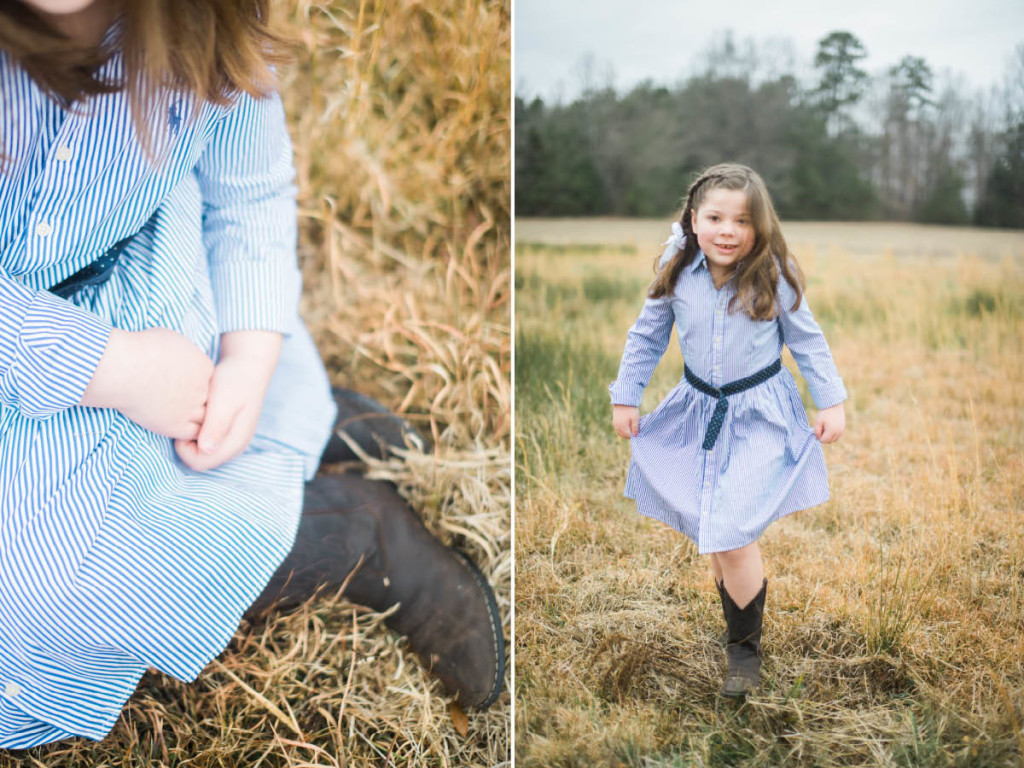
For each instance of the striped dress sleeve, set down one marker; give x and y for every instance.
(646, 343)
(249, 217)
(802, 334)
(49, 349)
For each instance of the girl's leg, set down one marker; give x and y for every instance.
(716, 568)
(742, 571)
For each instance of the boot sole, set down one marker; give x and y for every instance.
(735, 696)
(494, 615)
(739, 694)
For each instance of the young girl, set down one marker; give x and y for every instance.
(729, 450)
(161, 402)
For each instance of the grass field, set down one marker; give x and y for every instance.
(399, 115)
(894, 630)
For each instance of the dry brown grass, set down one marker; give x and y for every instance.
(400, 120)
(895, 616)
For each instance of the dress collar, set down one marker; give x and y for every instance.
(697, 262)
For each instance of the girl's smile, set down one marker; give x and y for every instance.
(724, 231)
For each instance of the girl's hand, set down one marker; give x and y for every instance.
(156, 377)
(830, 423)
(626, 420)
(237, 389)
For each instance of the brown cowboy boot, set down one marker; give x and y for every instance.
(744, 646)
(446, 608)
(368, 424)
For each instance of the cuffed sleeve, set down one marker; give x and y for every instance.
(646, 342)
(49, 349)
(249, 217)
(802, 334)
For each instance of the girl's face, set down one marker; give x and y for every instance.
(724, 229)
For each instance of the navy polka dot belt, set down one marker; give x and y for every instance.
(92, 274)
(723, 392)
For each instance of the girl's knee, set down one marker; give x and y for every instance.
(733, 557)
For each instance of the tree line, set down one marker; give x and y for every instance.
(846, 146)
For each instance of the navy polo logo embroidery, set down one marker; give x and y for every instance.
(174, 117)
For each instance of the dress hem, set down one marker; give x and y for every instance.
(657, 513)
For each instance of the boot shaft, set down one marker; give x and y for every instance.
(744, 625)
(743, 643)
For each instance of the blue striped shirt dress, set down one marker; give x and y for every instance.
(114, 556)
(765, 461)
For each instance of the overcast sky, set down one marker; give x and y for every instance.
(628, 41)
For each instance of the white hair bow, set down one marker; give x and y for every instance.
(677, 238)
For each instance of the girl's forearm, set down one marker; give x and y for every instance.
(107, 386)
(112, 379)
(261, 349)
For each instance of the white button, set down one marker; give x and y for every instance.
(63, 153)
(11, 690)
(43, 229)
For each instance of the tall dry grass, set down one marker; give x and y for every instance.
(895, 616)
(400, 121)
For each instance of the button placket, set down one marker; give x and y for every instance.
(707, 493)
(56, 175)
(717, 343)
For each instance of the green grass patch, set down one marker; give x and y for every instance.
(561, 397)
(576, 298)
(850, 310)
(987, 302)
(600, 288)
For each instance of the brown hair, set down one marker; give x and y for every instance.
(757, 274)
(213, 49)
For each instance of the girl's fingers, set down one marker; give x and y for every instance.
(220, 413)
(193, 458)
(830, 435)
(187, 431)
(187, 452)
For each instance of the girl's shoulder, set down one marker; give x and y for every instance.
(785, 294)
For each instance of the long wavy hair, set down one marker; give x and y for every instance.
(213, 49)
(757, 274)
